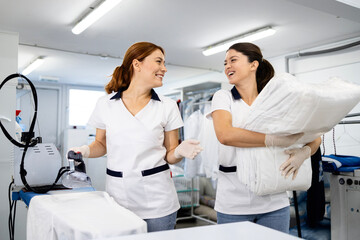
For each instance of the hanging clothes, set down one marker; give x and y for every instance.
(210, 143)
(192, 127)
(196, 126)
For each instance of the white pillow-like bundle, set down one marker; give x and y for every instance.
(287, 106)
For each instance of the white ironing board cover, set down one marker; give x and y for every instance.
(80, 216)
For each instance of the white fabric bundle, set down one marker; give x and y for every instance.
(287, 106)
(82, 215)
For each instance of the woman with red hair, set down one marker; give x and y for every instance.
(138, 130)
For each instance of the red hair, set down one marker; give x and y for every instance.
(122, 74)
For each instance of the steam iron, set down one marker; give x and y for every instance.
(76, 177)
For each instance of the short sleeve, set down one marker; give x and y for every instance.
(220, 101)
(174, 120)
(96, 119)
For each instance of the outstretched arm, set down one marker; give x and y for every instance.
(96, 148)
(175, 152)
(232, 136)
(238, 137)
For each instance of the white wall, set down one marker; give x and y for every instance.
(347, 67)
(344, 64)
(8, 65)
(213, 77)
(48, 117)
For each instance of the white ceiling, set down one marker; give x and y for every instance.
(182, 27)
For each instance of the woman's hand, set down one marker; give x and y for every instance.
(296, 159)
(188, 148)
(282, 141)
(84, 150)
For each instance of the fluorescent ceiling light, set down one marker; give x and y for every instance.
(49, 78)
(33, 65)
(94, 15)
(353, 3)
(247, 37)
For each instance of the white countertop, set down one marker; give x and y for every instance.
(231, 231)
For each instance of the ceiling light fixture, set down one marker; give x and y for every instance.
(247, 37)
(33, 65)
(353, 3)
(94, 15)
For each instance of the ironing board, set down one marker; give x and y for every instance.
(26, 196)
(80, 216)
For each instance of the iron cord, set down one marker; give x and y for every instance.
(12, 212)
(28, 141)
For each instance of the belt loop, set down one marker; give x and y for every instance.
(154, 170)
(114, 173)
(227, 169)
(144, 173)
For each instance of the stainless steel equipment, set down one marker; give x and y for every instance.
(345, 205)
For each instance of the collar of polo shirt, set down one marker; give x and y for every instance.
(154, 95)
(235, 93)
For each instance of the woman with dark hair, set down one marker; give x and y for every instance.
(249, 72)
(138, 129)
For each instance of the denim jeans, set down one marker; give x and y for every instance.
(163, 223)
(278, 220)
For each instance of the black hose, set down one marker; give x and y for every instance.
(8, 136)
(11, 221)
(28, 141)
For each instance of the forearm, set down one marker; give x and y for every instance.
(233, 136)
(97, 149)
(170, 157)
(238, 137)
(171, 141)
(314, 145)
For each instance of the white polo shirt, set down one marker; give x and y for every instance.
(134, 144)
(232, 197)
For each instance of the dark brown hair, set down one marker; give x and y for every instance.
(122, 75)
(265, 70)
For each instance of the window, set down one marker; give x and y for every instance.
(81, 105)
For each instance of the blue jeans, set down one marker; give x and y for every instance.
(163, 223)
(278, 220)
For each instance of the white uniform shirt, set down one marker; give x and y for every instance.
(136, 143)
(232, 197)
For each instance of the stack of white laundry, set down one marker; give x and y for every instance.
(287, 106)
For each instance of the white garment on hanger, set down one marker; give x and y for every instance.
(192, 127)
(210, 143)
